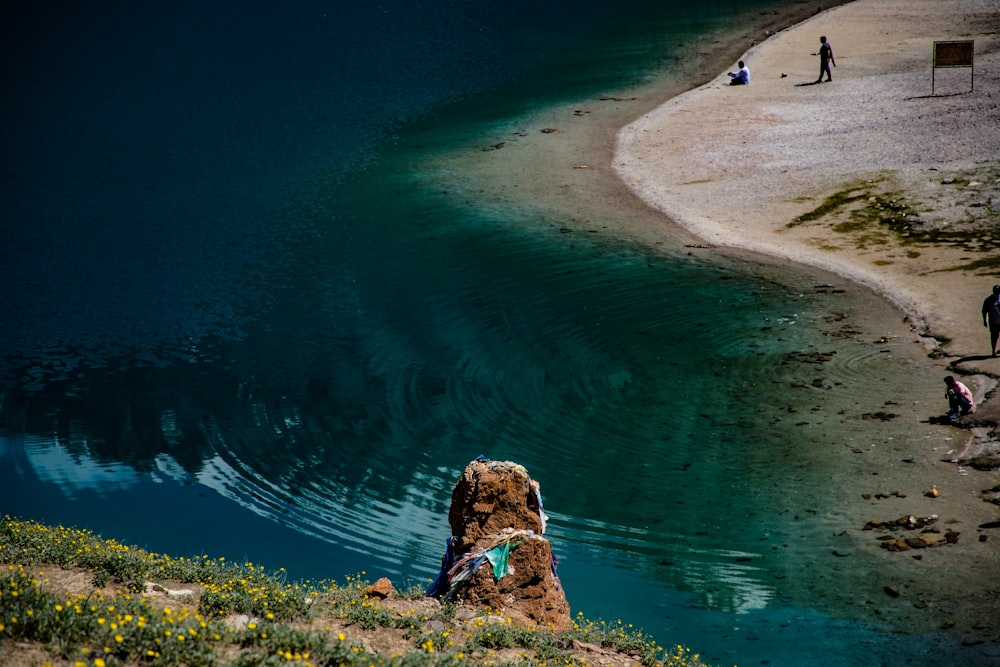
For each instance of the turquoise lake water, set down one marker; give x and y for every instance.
(238, 324)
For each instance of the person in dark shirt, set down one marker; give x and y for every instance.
(991, 317)
(825, 59)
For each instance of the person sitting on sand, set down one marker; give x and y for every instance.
(959, 398)
(991, 317)
(740, 78)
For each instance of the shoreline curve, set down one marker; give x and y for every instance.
(739, 166)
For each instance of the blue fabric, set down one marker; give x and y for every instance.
(455, 571)
(440, 584)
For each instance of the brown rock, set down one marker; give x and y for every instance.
(491, 496)
(931, 539)
(496, 514)
(584, 646)
(382, 588)
(529, 593)
(985, 462)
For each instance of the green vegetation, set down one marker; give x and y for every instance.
(870, 219)
(831, 204)
(960, 213)
(68, 597)
(983, 265)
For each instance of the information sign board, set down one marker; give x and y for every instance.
(954, 53)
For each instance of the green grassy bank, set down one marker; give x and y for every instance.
(69, 597)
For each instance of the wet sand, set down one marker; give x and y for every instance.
(709, 168)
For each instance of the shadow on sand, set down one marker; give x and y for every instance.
(977, 357)
(936, 96)
(944, 420)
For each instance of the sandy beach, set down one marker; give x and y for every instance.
(738, 166)
(870, 177)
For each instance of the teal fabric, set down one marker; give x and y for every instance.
(498, 557)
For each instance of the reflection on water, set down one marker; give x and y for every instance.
(647, 395)
(52, 463)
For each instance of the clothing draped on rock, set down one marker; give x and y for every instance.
(457, 568)
(455, 572)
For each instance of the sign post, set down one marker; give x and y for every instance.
(954, 54)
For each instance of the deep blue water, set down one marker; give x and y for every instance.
(236, 324)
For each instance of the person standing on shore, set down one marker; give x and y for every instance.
(740, 78)
(959, 397)
(991, 317)
(825, 59)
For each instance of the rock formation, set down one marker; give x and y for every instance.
(497, 556)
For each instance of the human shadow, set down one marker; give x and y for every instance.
(974, 357)
(934, 96)
(943, 420)
(810, 83)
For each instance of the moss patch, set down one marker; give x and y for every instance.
(830, 205)
(956, 210)
(850, 226)
(985, 266)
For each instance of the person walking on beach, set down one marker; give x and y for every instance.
(991, 317)
(740, 78)
(825, 59)
(959, 398)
